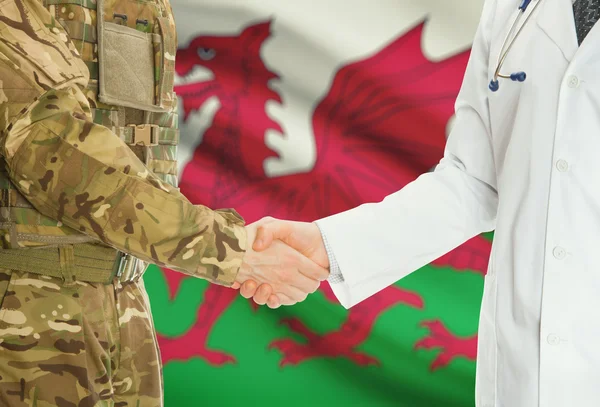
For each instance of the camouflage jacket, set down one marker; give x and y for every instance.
(80, 173)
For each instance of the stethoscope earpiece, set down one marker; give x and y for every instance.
(518, 76)
(494, 86)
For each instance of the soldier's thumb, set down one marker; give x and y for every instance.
(267, 233)
(264, 238)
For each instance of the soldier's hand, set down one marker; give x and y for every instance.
(284, 272)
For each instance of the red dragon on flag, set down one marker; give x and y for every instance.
(381, 124)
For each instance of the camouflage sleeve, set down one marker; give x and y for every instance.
(82, 174)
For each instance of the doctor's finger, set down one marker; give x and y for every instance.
(293, 293)
(299, 281)
(311, 269)
(273, 302)
(282, 299)
(248, 289)
(263, 293)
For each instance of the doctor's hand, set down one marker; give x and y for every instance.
(302, 236)
(286, 273)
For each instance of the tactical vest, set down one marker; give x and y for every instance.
(129, 48)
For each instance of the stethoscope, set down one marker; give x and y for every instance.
(506, 46)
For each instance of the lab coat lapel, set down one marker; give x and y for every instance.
(557, 21)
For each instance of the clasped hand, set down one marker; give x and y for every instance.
(284, 262)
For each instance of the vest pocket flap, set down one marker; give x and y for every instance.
(126, 62)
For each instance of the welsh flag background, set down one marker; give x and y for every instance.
(301, 109)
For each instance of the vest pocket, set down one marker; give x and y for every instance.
(126, 60)
(136, 64)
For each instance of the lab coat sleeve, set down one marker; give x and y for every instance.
(377, 244)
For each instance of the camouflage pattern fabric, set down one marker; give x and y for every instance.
(79, 173)
(70, 177)
(80, 346)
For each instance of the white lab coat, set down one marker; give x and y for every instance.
(524, 161)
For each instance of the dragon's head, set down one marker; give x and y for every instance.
(230, 68)
(233, 63)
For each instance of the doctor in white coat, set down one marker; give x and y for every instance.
(523, 160)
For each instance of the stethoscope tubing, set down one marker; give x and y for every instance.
(507, 45)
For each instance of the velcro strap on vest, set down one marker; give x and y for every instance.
(81, 262)
(105, 117)
(164, 119)
(141, 134)
(80, 31)
(93, 68)
(162, 166)
(90, 4)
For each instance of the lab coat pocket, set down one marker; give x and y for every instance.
(485, 388)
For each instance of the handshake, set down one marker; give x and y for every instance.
(284, 262)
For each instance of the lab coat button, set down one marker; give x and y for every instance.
(553, 339)
(573, 81)
(559, 253)
(562, 165)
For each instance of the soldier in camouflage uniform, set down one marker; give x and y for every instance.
(88, 197)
